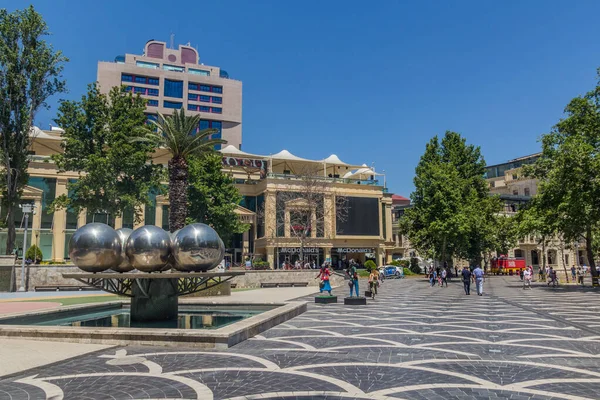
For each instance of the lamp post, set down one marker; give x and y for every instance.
(27, 209)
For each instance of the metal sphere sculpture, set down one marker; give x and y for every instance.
(124, 265)
(197, 247)
(95, 247)
(148, 248)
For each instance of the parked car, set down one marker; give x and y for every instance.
(391, 272)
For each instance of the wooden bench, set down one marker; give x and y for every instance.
(300, 284)
(283, 284)
(62, 288)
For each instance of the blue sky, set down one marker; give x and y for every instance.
(368, 81)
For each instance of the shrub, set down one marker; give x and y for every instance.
(363, 273)
(261, 265)
(34, 253)
(414, 265)
(370, 265)
(407, 271)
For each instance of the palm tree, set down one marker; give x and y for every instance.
(179, 134)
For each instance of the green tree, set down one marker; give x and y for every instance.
(569, 172)
(30, 72)
(115, 174)
(179, 134)
(452, 213)
(213, 196)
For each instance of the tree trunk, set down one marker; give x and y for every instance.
(178, 193)
(562, 255)
(12, 234)
(590, 254)
(544, 252)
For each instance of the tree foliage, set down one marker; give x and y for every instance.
(452, 213)
(30, 72)
(569, 172)
(115, 174)
(213, 196)
(180, 135)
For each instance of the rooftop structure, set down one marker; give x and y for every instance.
(174, 78)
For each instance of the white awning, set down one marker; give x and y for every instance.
(37, 133)
(287, 156)
(231, 150)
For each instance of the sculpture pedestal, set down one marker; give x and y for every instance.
(355, 301)
(154, 300)
(325, 299)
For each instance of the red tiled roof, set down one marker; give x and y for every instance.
(397, 197)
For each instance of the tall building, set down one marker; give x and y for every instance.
(174, 78)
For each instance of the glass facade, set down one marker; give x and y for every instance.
(216, 110)
(173, 68)
(102, 217)
(495, 171)
(173, 88)
(165, 218)
(139, 79)
(198, 72)
(172, 104)
(48, 185)
(153, 103)
(145, 64)
(216, 100)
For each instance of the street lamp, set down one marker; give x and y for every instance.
(27, 209)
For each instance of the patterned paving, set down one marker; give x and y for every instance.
(412, 342)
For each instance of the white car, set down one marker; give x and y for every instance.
(391, 272)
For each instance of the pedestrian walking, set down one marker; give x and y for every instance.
(552, 275)
(527, 279)
(324, 274)
(444, 278)
(573, 273)
(373, 282)
(521, 274)
(433, 278)
(466, 278)
(353, 274)
(479, 279)
(580, 275)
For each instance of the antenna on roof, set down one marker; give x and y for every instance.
(172, 39)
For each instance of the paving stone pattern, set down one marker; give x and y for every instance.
(411, 342)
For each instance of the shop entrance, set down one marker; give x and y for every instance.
(288, 256)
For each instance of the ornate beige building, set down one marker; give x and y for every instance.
(365, 234)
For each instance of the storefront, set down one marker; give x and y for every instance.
(292, 254)
(342, 256)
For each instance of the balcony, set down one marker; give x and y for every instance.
(367, 182)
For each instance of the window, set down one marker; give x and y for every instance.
(527, 193)
(198, 72)
(192, 96)
(217, 89)
(165, 218)
(172, 104)
(193, 86)
(192, 107)
(173, 88)
(153, 103)
(140, 79)
(152, 92)
(566, 259)
(145, 64)
(515, 177)
(217, 110)
(205, 98)
(515, 192)
(217, 100)
(173, 68)
(126, 78)
(153, 81)
(204, 109)
(129, 88)
(204, 88)
(139, 90)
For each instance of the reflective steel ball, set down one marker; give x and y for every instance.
(148, 248)
(124, 265)
(95, 247)
(197, 247)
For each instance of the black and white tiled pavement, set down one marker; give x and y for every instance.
(412, 342)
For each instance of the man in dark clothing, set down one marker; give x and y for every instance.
(466, 277)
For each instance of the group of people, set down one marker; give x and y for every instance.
(476, 276)
(352, 273)
(439, 276)
(298, 265)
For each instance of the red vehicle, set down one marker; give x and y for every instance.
(505, 265)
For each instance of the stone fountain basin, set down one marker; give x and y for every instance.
(220, 338)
